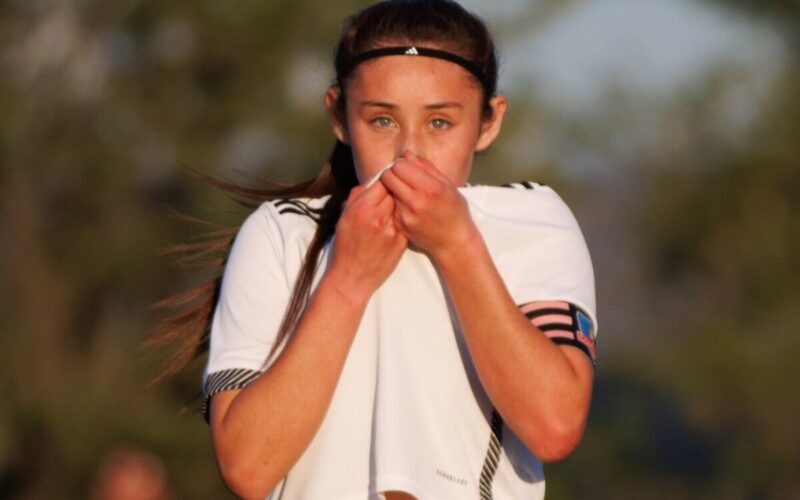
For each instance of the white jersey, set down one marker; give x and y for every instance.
(409, 412)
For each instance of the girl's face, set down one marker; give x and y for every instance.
(431, 107)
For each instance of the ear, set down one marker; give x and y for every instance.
(490, 127)
(338, 122)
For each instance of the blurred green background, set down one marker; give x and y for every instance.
(682, 164)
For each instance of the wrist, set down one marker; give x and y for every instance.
(346, 292)
(459, 250)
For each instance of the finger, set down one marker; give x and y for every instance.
(402, 216)
(355, 193)
(395, 185)
(373, 194)
(423, 165)
(428, 167)
(421, 161)
(401, 244)
(419, 180)
(375, 178)
(410, 171)
(385, 206)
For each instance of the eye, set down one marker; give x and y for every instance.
(439, 124)
(383, 122)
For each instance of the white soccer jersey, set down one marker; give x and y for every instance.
(408, 412)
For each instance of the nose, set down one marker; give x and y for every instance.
(409, 140)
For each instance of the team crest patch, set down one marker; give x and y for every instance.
(585, 331)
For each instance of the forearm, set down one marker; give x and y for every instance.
(532, 382)
(265, 428)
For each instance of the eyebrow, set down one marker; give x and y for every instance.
(387, 105)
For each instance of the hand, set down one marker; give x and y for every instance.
(367, 245)
(429, 210)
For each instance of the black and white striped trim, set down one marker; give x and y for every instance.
(225, 380)
(492, 457)
(522, 185)
(571, 328)
(291, 206)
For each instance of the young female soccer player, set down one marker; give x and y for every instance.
(393, 332)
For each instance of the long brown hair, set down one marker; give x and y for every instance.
(441, 23)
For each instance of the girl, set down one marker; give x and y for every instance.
(385, 330)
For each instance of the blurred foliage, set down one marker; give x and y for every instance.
(706, 407)
(102, 103)
(786, 13)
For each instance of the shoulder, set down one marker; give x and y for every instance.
(536, 242)
(292, 210)
(520, 185)
(512, 190)
(306, 208)
(526, 185)
(277, 224)
(520, 201)
(287, 215)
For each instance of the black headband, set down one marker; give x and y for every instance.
(415, 51)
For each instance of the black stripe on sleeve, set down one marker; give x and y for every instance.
(291, 206)
(522, 185)
(575, 343)
(225, 380)
(564, 327)
(290, 210)
(536, 313)
(566, 323)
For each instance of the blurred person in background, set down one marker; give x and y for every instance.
(130, 474)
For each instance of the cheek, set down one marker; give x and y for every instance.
(362, 155)
(361, 162)
(454, 157)
(454, 164)
(369, 157)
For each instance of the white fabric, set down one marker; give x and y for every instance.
(408, 413)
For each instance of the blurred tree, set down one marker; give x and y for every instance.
(101, 102)
(786, 13)
(720, 232)
(704, 405)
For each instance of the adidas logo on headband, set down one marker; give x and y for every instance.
(415, 51)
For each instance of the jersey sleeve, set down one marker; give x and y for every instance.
(564, 324)
(250, 307)
(538, 248)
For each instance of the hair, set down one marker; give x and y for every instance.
(441, 24)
